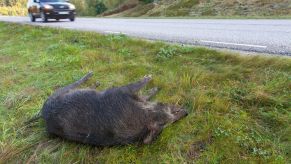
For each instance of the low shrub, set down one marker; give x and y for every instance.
(147, 1)
(100, 8)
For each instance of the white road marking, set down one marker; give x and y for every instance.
(114, 32)
(235, 44)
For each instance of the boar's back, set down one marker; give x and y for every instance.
(109, 118)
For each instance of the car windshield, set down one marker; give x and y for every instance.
(52, 0)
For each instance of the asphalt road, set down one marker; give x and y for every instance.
(264, 36)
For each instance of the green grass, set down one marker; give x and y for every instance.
(239, 106)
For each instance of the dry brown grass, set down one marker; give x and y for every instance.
(215, 8)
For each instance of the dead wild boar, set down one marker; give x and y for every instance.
(115, 116)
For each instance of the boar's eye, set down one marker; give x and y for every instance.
(175, 111)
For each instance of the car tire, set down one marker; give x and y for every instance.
(72, 18)
(43, 17)
(32, 18)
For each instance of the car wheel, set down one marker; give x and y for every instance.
(43, 17)
(72, 18)
(32, 18)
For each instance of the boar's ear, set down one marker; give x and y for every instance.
(155, 130)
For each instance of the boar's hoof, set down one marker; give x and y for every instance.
(97, 84)
(154, 90)
(148, 77)
(90, 74)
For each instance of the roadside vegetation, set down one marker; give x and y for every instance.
(221, 8)
(239, 106)
(169, 8)
(13, 7)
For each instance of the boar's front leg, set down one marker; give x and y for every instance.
(155, 130)
(151, 94)
(135, 87)
(74, 85)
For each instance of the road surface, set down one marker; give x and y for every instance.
(264, 36)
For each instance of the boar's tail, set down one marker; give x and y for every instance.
(34, 118)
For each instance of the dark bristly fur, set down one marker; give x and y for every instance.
(116, 116)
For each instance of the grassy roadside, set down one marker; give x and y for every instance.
(216, 9)
(239, 108)
(203, 17)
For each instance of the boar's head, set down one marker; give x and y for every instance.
(163, 114)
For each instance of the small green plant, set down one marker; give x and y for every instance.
(124, 52)
(147, 1)
(220, 132)
(166, 53)
(186, 49)
(100, 7)
(116, 37)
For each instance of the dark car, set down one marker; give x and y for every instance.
(51, 9)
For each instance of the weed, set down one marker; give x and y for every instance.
(166, 53)
(116, 37)
(124, 52)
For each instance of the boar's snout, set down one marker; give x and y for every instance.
(178, 113)
(184, 112)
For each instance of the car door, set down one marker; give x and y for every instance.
(33, 7)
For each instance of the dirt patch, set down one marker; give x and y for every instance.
(121, 8)
(139, 10)
(6, 59)
(198, 147)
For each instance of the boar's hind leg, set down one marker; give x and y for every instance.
(151, 94)
(135, 87)
(74, 85)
